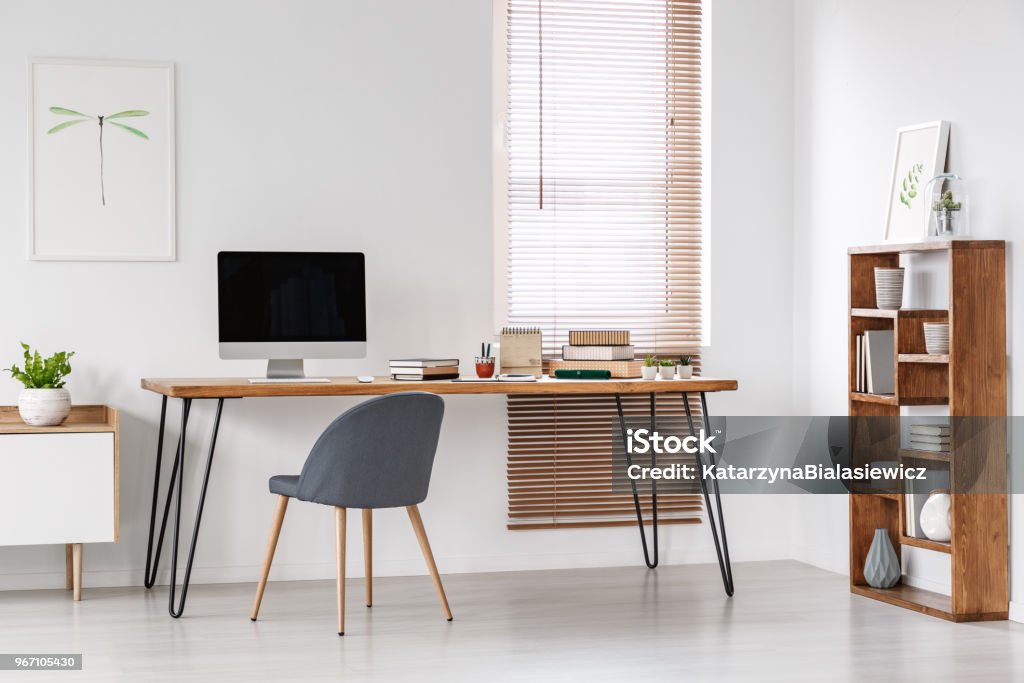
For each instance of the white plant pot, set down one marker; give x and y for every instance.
(44, 407)
(685, 371)
(667, 372)
(649, 372)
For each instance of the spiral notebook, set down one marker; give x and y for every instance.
(521, 351)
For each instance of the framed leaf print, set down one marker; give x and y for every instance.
(101, 161)
(920, 156)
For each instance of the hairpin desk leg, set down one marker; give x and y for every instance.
(721, 546)
(176, 610)
(153, 558)
(632, 482)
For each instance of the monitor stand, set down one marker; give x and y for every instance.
(287, 371)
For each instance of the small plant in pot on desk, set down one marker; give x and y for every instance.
(685, 369)
(44, 402)
(650, 368)
(667, 369)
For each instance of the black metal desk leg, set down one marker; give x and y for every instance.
(176, 610)
(632, 482)
(153, 559)
(721, 546)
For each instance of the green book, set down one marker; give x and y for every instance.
(583, 374)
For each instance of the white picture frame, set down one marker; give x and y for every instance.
(101, 192)
(920, 156)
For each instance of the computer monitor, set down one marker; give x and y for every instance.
(288, 306)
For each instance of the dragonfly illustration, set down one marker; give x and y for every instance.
(63, 111)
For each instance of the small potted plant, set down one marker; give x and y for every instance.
(947, 213)
(44, 401)
(685, 370)
(650, 368)
(666, 369)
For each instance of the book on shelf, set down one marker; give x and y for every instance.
(930, 430)
(929, 446)
(426, 373)
(928, 438)
(599, 337)
(881, 361)
(414, 377)
(606, 352)
(425, 362)
(859, 344)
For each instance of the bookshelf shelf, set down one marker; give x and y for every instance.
(926, 544)
(970, 381)
(901, 313)
(918, 454)
(923, 358)
(892, 400)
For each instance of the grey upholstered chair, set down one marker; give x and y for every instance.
(378, 454)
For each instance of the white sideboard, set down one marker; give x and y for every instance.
(60, 484)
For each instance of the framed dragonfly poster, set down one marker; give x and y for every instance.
(101, 161)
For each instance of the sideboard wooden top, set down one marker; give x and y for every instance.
(82, 419)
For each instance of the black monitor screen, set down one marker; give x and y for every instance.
(291, 296)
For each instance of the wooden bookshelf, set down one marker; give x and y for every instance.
(971, 381)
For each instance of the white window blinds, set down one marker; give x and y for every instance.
(603, 142)
(604, 169)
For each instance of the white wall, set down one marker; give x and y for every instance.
(355, 126)
(863, 69)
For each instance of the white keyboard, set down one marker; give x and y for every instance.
(289, 380)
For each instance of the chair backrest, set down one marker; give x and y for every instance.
(378, 454)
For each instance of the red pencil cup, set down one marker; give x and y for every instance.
(484, 367)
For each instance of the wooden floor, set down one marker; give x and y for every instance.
(787, 622)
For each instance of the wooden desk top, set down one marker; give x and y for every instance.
(81, 419)
(239, 387)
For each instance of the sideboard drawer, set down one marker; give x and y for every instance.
(57, 488)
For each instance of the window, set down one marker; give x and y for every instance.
(602, 224)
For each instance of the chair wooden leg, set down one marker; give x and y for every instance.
(69, 568)
(368, 554)
(275, 532)
(421, 536)
(339, 523)
(76, 561)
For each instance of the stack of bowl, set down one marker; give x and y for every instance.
(889, 288)
(936, 337)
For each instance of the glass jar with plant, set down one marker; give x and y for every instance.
(650, 368)
(948, 214)
(685, 370)
(44, 401)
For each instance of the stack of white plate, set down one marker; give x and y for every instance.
(889, 288)
(936, 337)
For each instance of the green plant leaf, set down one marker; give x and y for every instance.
(129, 112)
(68, 112)
(62, 126)
(133, 131)
(912, 193)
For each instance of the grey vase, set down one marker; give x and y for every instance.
(882, 568)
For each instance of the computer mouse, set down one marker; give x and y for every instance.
(365, 379)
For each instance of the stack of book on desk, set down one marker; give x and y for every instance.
(930, 438)
(419, 369)
(599, 350)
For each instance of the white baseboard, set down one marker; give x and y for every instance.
(1017, 611)
(413, 566)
